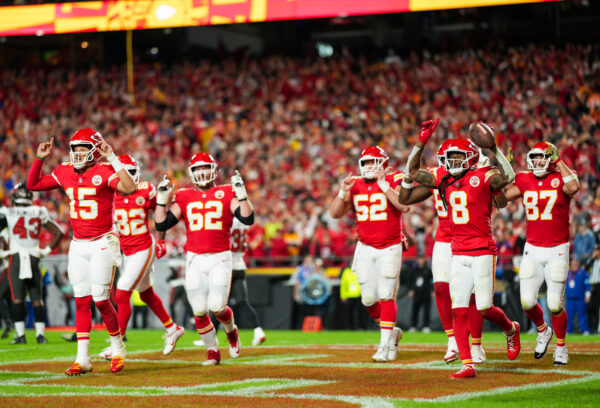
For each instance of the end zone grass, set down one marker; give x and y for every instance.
(292, 369)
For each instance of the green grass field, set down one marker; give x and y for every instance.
(293, 368)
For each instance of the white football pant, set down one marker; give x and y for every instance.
(472, 272)
(207, 281)
(377, 271)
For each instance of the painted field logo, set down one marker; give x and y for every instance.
(97, 180)
(474, 181)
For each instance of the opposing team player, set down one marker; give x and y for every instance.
(467, 192)
(546, 191)
(239, 287)
(94, 251)
(208, 211)
(140, 250)
(378, 256)
(24, 222)
(440, 263)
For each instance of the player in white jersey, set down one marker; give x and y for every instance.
(24, 222)
(239, 287)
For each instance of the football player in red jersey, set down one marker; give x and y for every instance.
(378, 256)
(546, 191)
(208, 211)
(140, 250)
(441, 259)
(467, 192)
(94, 250)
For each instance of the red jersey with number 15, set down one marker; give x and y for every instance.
(91, 196)
(444, 230)
(546, 208)
(378, 222)
(131, 218)
(207, 218)
(469, 203)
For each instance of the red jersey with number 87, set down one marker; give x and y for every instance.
(131, 218)
(469, 202)
(378, 222)
(546, 208)
(91, 196)
(208, 218)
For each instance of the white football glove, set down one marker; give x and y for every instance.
(4, 253)
(44, 252)
(238, 186)
(163, 191)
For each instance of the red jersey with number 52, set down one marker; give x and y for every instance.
(444, 230)
(546, 208)
(131, 218)
(91, 195)
(208, 218)
(469, 203)
(378, 222)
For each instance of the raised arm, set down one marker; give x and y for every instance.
(412, 195)
(413, 167)
(165, 218)
(341, 203)
(35, 180)
(241, 207)
(506, 175)
(512, 193)
(126, 185)
(570, 180)
(390, 193)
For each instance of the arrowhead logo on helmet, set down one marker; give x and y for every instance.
(202, 169)
(372, 159)
(460, 155)
(88, 138)
(131, 166)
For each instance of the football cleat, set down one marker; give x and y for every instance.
(8, 327)
(452, 351)
(41, 339)
(477, 354)
(543, 340)
(171, 340)
(78, 369)
(259, 337)
(513, 342)
(467, 371)
(235, 345)
(106, 353)
(381, 354)
(392, 346)
(116, 364)
(214, 358)
(561, 356)
(19, 340)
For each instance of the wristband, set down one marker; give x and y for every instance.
(383, 185)
(558, 161)
(40, 157)
(406, 185)
(569, 178)
(115, 163)
(342, 194)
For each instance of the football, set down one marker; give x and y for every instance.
(482, 135)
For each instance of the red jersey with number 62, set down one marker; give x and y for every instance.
(208, 218)
(91, 196)
(546, 208)
(469, 203)
(131, 218)
(444, 230)
(378, 222)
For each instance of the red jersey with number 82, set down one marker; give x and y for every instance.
(91, 196)
(131, 218)
(207, 218)
(444, 230)
(546, 208)
(378, 222)
(469, 203)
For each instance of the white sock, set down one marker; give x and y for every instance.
(39, 328)
(20, 328)
(452, 343)
(171, 329)
(210, 339)
(385, 336)
(83, 351)
(118, 348)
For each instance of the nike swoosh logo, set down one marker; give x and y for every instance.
(102, 249)
(561, 254)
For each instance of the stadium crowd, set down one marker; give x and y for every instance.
(294, 127)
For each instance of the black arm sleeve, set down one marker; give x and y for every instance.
(3, 223)
(249, 220)
(168, 223)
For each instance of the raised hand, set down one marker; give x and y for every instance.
(552, 152)
(427, 129)
(163, 190)
(347, 183)
(238, 186)
(105, 150)
(45, 148)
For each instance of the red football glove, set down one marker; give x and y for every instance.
(161, 248)
(427, 130)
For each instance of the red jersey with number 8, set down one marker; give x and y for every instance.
(546, 208)
(131, 218)
(378, 222)
(91, 195)
(469, 202)
(207, 218)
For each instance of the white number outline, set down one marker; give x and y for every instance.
(132, 222)
(374, 212)
(82, 192)
(535, 196)
(459, 207)
(198, 221)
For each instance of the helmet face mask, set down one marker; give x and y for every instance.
(538, 162)
(131, 166)
(82, 154)
(202, 169)
(372, 159)
(84, 147)
(468, 159)
(21, 196)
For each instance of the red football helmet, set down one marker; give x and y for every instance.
(457, 165)
(131, 166)
(441, 153)
(202, 177)
(540, 166)
(379, 157)
(89, 138)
